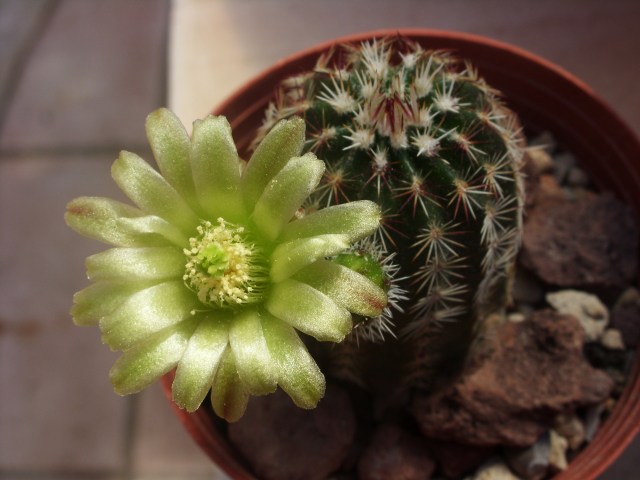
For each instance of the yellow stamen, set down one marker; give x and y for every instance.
(223, 268)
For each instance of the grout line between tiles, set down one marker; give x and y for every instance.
(22, 58)
(129, 436)
(58, 475)
(63, 152)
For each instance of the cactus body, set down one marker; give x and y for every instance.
(422, 135)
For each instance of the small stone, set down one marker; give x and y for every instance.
(587, 308)
(570, 193)
(526, 310)
(516, 317)
(530, 463)
(612, 339)
(457, 459)
(395, 453)
(558, 452)
(564, 162)
(495, 470)
(625, 316)
(545, 140)
(571, 428)
(548, 191)
(284, 442)
(577, 177)
(541, 161)
(592, 420)
(589, 244)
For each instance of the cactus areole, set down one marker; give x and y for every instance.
(422, 135)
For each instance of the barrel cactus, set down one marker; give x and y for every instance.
(422, 135)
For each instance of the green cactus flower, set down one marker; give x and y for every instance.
(210, 272)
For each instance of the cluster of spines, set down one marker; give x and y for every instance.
(423, 135)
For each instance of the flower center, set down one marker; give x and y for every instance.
(223, 268)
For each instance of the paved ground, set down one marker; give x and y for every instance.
(77, 78)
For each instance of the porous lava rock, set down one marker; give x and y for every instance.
(395, 453)
(284, 442)
(509, 394)
(454, 460)
(588, 243)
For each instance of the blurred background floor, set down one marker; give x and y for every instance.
(77, 79)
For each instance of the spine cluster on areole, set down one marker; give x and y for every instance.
(420, 133)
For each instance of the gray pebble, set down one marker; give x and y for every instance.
(592, 421)
(577, 177)
(558, 452)
(587, 308)
(570, 427)
(612, 339)
(494, 470)
(564, 162)
(531, 463)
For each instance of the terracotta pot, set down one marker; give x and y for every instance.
(546, 98)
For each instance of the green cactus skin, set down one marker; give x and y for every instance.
(422, 135)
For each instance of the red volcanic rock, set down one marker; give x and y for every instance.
(395, 453)
(284, 442)
(589, 243)
(530, 372)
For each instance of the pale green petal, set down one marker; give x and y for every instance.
(347, 288)
(120, 224)
(229, 396)
(290, 257)
(284, 140)
(251, 354)
(171, 148)
(309, 311)
(298, 373)
(286, 192)
(216, 169)
(147, 361)
(141, 263)
(355, 219)
(150, 227)
(199, 363)
(146, 312)
(100, 299)
(151, 192)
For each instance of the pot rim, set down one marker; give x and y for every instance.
(314, 50)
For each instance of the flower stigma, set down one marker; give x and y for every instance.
(223, 268)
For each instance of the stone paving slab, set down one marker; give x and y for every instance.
(161, 445)
(57, 407)
(94, 75)
(85, 475)
(19, 23)
(42, 259)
